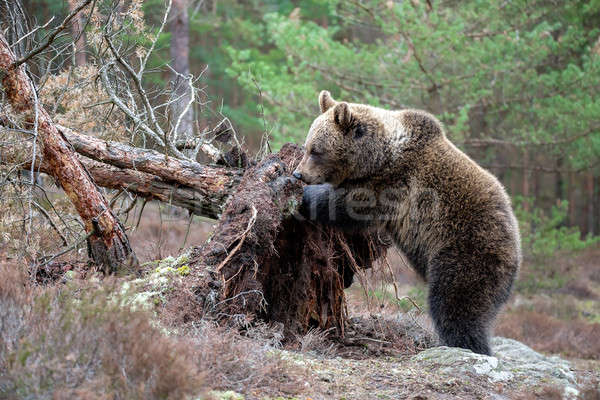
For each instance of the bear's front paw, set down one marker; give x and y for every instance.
(316, 201)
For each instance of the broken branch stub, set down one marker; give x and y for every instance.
(264, 262)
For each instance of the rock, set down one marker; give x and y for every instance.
(513, 362)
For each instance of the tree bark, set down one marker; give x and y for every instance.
(589, 203)
(201, 188)
(180, 49)
(107, 242)
(77, 25)
(571, 197)
(525, 183)
(597, 207)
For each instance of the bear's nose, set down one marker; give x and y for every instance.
(297, 175)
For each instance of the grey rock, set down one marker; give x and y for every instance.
(513, 362)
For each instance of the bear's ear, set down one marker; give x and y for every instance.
(343, 116)
(325, 101)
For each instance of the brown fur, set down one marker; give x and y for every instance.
(451, 218)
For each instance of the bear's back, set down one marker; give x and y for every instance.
(453, 203)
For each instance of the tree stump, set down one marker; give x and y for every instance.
(266, 262)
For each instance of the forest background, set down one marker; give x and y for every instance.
(515, 82)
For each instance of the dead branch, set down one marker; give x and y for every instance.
(53, 35)
(108, 243)
(201, 189)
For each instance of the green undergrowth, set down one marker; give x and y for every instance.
(545, 234)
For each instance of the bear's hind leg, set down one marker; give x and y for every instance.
(464, 300)
(472, 335)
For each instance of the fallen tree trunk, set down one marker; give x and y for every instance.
(263, 261)
(201, 189)
(107, 242)
(212, 182)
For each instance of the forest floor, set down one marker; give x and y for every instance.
(555, 310)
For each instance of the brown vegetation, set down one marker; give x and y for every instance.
(78, 341)
(558, 312)
(552, 335)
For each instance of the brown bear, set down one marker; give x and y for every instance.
(370, 168)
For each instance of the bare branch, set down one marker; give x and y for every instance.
(53, 35)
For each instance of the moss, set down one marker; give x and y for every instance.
(70, 275)
(183, 270)
(183, 259)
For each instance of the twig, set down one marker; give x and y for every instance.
(72, 247)
(241, 239)
(126, 110)
(52, 224)
(411, 300)
(160, 29)
(189, 80)
(187, 231)
(140, 215)
(34, 150)
(52, 36)
(31, 32)
(265, 138)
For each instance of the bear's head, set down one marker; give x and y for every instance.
(352, 142)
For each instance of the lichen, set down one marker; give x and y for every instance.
(228, 395)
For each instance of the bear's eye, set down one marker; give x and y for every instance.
(359, 131)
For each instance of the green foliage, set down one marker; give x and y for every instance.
(417, 293)
(529, 68)
(544, 234)
(519, 71)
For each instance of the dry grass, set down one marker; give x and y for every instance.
(544, 393)
(248, 366)
(548, 334)
(558, 317)
(318, 342)
(60, 343)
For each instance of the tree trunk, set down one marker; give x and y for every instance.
(77, 26)
(263, 261)
(525, 182)
(597, 207)
(589, 203)
(107, 243)
(180, 49)
(571, 197)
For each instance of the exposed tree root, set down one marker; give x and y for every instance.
(265, 262)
